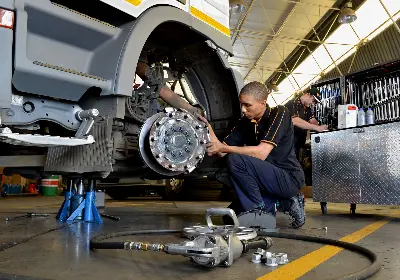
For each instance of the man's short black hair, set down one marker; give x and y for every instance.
(256, 89)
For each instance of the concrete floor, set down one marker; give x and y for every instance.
(43, 248)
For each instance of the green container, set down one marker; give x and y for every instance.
(50, 186)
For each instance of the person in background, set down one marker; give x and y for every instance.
(166, 93)
(303, 118)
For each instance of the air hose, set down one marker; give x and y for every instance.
(97, 243)
(359, 275)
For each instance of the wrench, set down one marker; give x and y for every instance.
(376, 111)
(365, 92)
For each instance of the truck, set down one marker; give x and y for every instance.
(67, 101)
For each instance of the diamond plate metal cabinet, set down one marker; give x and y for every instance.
(360, 165)
(380, 164)
(335, 163)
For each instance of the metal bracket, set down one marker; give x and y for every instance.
(87, 118)
(221, 212)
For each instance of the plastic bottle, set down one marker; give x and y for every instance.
(361, 117)
(370, 117)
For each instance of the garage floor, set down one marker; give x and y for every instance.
(41, 247)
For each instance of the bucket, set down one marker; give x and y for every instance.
(50, 186)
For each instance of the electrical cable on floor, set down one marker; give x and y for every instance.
(97, 243)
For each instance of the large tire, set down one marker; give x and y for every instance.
(116, 193)
(173, 189)
(123, 192)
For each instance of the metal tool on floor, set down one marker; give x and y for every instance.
(323, 228)
(212, 246)
(78, 204)
(221, 245)
(27, 215)
(115, 218)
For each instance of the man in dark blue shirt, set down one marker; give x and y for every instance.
(261, 159)
(302, 117)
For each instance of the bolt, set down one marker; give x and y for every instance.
(158, 123)
(171, 166)
(197, 126)
(185, 116)
(185, 167)
(152, 139)
(226, 263)
(159, 156)
(9, 113)
(199, 157)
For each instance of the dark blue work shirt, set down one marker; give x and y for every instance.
(274, 127)
(297, 109)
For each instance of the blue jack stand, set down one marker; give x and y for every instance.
(79, 205)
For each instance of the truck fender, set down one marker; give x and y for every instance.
(141, 29)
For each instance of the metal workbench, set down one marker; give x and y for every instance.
(357, 165)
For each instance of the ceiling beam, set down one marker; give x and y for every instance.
(264, 34)
(292, 9)
(241, 21)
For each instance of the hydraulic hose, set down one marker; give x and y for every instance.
(97, 243)
(359, 275)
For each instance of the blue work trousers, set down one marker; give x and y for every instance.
(258, 183)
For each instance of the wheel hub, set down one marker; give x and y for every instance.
(173, 142)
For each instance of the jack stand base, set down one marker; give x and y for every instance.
(86, 210)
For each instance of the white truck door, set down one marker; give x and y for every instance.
(136, 7)
(213, 12)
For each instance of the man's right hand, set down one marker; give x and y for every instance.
(322, 128)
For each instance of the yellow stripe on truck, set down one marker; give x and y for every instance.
(202, 16)
(134, 2)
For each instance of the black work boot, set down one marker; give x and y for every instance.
(294, 207)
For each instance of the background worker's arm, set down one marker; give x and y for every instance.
(167, 94)
(298, 122)
(176, 101)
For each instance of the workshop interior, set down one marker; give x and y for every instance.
(123, 122)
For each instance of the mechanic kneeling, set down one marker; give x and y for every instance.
(261, 161)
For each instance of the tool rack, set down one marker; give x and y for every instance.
(359, 165)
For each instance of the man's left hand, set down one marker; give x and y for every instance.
(215, 147)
